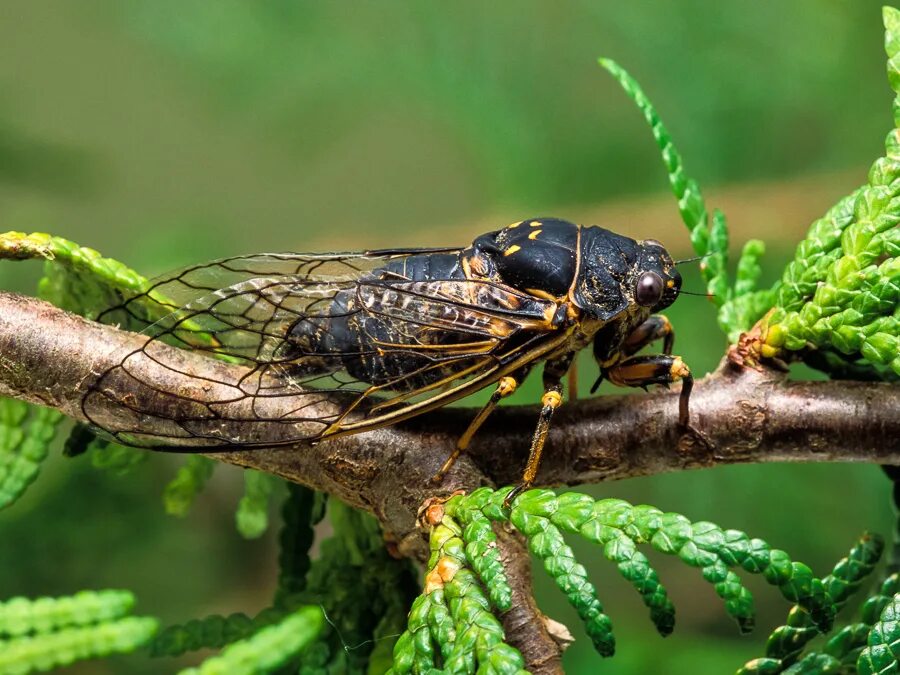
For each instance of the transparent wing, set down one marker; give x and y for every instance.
(307, 347)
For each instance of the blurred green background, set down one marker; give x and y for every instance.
(170, 132)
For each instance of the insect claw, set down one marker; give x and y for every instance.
(697, 437)
(515, 492)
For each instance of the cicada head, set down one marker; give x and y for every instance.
(617, 273)
(658, 282)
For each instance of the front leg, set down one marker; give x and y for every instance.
(609, 352)
(642, 371)
(657, 327)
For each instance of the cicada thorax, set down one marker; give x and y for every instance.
(593, 270)
(538, 256)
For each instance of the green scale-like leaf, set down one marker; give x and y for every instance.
(299, 515)
(252, 516)
(24, 443)
(20, 616)
(619, 527)
(545, 540)
(51, 650)
(267, 649)
(785, 645)
(481, 547)
(211, 632)
(840, 293)
(182, 490)
(882, 653)
(46, 633)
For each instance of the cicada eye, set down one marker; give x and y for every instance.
(649, 290)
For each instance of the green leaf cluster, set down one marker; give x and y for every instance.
(786, 644)
(25, 435)
(881, 616)
(364, 591)
(80, 280)
(451, 626)
(268, 649)
(348, 605)
(464, 546)
(838, 302)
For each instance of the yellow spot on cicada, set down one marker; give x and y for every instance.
(535, 223)
(514, 225)
(534, 235)
(679, 369)
(512, 249)
(506, 385)
(670, 283)
(552, 399)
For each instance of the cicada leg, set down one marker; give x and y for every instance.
(505, 387)
(642, 371)
(550, 401)
(657, 327)
(554, 371)
(572, 384)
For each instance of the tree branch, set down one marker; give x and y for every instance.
(51, 357)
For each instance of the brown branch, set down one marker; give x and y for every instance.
(51, 357)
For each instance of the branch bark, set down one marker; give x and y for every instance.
(51, 357)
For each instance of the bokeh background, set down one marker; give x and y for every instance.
(165, 133)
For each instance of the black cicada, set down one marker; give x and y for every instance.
(343, 343)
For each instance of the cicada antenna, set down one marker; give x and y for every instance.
(694, 259)
(699, 295)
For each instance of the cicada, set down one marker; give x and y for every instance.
(336, 344)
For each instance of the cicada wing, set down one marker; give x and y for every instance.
(154, 308)
(307, 347)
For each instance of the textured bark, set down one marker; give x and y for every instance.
(50, 357)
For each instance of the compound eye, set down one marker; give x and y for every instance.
(649, 290)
